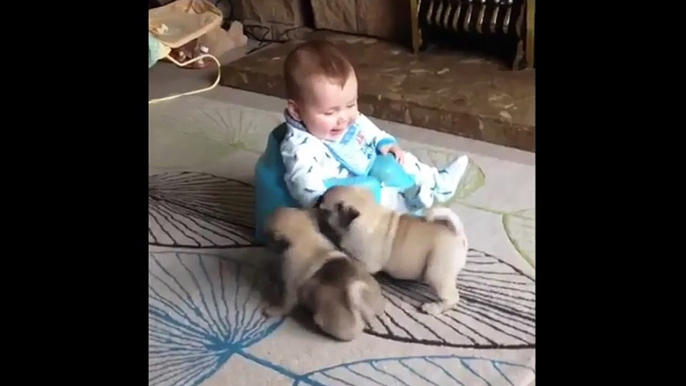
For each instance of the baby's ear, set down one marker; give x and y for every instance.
(293, 109)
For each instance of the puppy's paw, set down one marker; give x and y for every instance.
(435, 308)
(273, 311)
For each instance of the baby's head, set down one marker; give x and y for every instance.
(321, 88)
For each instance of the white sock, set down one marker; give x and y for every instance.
(448, 178)
(418, 197)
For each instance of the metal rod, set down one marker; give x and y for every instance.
(530, 24)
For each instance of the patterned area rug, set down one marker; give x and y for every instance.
(206, 272)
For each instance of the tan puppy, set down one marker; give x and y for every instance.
(338, 290)
(432, 248)
(342, 296)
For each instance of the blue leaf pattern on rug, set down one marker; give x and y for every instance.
(497, 309)
(437, 370)
(202, 310)
(199, 210)
(205, 309)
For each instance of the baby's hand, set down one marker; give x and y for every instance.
(396, 150)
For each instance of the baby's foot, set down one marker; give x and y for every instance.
(418, 197)
(449, 178)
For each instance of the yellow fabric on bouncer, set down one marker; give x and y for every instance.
(175, 25)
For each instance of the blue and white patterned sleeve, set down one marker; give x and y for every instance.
(304, 175)
(373, 134)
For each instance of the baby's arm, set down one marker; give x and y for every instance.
(378, 137)
(304, 175)
(305, 178)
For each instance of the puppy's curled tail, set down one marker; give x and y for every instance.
(447, 217)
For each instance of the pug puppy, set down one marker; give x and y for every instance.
(339, 291)
(342, 296)
(432, 248)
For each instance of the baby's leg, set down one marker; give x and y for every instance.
(418, 198)
(439, 184)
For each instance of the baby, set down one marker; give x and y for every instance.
(329, 140)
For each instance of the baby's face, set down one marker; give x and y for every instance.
(328, 109)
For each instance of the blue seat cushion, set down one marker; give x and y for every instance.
(387, 170)
(271, 191)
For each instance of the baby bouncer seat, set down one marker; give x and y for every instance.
(176, 24)
(271, 191)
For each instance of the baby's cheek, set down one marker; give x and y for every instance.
(328, 122)
(322, 128)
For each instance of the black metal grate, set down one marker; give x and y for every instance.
(493, 27)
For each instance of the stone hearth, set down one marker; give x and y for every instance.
(445, 91)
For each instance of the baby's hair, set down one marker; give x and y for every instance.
(314, 58)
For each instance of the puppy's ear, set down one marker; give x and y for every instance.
(355, 294)
(346, 215)
(321, 214)
(373, 298)
(308, 291)
(276, 243)
(318, 319)
(322, 217)
(361, 298)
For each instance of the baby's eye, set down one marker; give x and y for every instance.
(329, 113)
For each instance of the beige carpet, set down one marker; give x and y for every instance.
(205, 326)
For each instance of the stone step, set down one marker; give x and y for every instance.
(445, 91)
